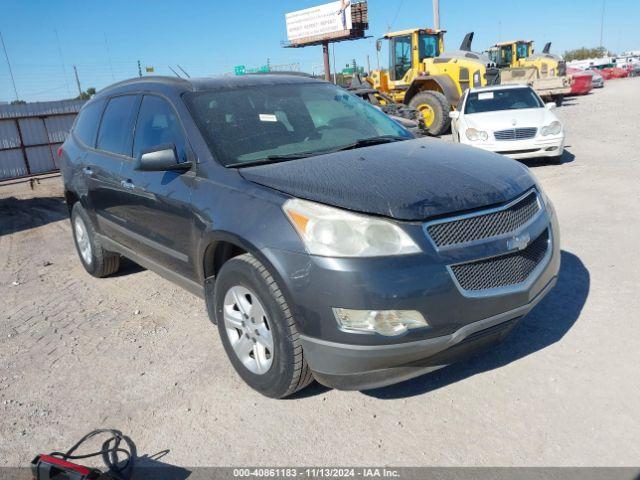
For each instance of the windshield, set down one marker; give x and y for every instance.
(250, 124)
(428, 44)
(507, 99)
(522, 50)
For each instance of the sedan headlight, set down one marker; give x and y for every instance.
(333, 232)
(475, 135)
(553, 128)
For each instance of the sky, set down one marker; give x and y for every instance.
(105, 40)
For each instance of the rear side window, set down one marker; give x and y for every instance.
(157, 125)
(116, 128)
(86, 125)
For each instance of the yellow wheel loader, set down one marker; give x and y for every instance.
(422, 75)
(545, 72)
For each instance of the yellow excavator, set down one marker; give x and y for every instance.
(545, 72)
(424, 76)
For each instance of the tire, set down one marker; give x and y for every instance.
(437, 119)
(558, 99)
(96, 260)
(275, 373)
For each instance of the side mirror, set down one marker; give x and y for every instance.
(454, 115)
(160, 158)
(550, 106)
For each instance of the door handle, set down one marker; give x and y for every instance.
(87, 171)
(128, 184)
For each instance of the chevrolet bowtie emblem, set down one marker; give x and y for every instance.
(519, 242)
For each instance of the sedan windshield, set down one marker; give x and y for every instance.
(260, 124)
(507, 99)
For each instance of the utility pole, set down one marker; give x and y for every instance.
(602, 26)
(327, 64)
(436, 14)
(368, 64)
(75, 71)
(139, 69)
(335, 74)
(13, 80)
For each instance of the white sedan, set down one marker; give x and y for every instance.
(511, 120)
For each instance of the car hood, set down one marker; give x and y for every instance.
(408, 180)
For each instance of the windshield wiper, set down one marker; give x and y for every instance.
(363, 142)
(368, 142)
(272, 159)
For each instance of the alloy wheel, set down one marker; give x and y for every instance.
(248, 329)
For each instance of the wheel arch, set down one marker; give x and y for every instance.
(70, 198)
(220, 247)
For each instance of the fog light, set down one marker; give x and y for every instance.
(384, 322)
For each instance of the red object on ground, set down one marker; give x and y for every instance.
(581, 81)
(606, 74)
(614, 72)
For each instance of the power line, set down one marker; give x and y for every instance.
(64, 69)
(4, 47)
(106, 44)
(395, 17)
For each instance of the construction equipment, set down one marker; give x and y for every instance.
(545, 72)
(422, 75)
(407, 116)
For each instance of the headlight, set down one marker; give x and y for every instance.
(384, 322)
(474, 135)
(333, 232)
(553, 128)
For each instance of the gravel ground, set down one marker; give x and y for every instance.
(134, 352)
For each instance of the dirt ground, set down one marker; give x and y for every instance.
(134, 352)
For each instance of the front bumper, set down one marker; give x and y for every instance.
(551, 146)
(460, 321)
(357, 367)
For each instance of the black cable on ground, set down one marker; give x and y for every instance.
(111, 448)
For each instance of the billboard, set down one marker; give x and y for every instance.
(329, 21)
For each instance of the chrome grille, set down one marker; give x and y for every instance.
(487, 225)
(515, 134)
(502, 271)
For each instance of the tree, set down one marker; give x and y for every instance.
(585, 53)
(18, 102)
(86, 95)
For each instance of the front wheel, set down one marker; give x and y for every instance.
(95, 259)
(434, 108)
(257, 329)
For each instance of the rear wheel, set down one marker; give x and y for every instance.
(558, 99)
(434, 108)
(257, 329)
(95, 259)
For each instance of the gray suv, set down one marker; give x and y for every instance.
(327, 242)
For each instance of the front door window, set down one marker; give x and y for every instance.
(400, 56)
